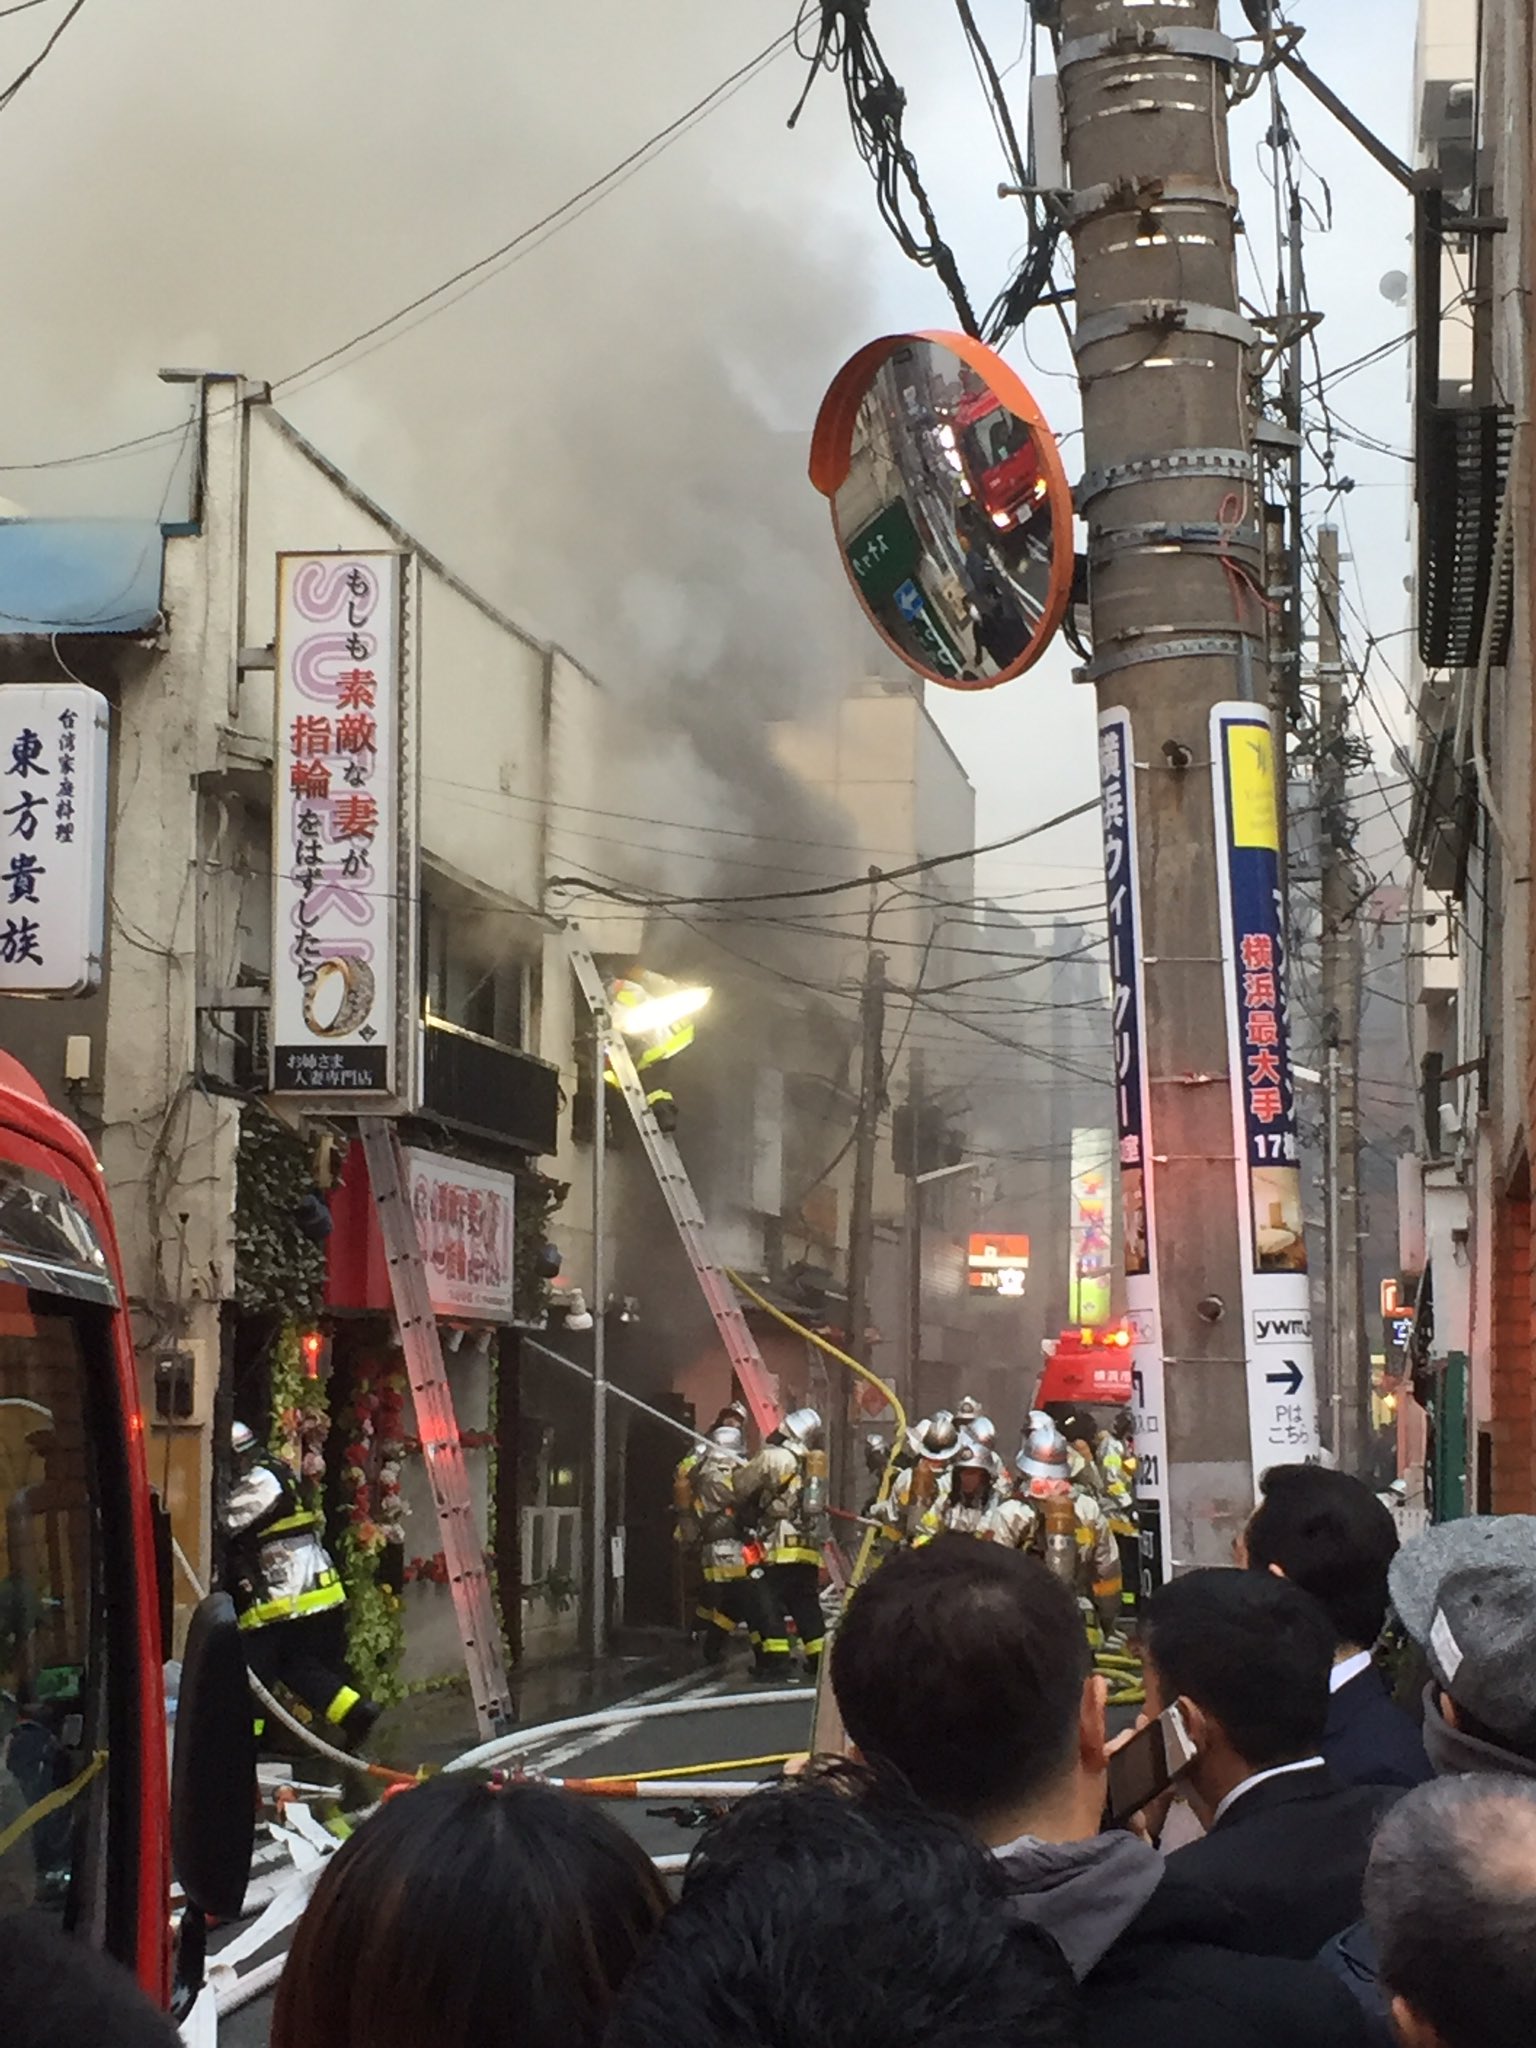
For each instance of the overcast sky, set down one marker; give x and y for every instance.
(609, 436)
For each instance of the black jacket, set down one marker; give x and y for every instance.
(1160, 1962)
(1290, 1858)
(1369, 1740)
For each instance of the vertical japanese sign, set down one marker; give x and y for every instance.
(53, 838)
(343, 823)
(1277, 1311)
(1092, 1167)
(1117, 789)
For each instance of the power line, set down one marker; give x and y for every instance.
(41, 58)
(557, 217)
(876, 875)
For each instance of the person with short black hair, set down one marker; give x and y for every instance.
(56, 1992)
(1246, 1658)
(963, 1667)
(1450, 1897)
(1328, 1533)
(837, 1911)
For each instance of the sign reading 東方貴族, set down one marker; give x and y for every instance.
(343, 828)
(53, 838)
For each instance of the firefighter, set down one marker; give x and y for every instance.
(970, 1503)
(288, 1592)
(933, 1444)
(783, 1496)
(650, 1048)
(1117, 1461)
(1067, 1507)
(735, 1589)
(981, 1429)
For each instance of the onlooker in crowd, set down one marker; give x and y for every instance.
(963, 1665)
(835, 1913)
(1466, 1593)
(462, 1914)
(1329, 1534)
(1247, 1657)
(57, 1993)
(1450, 1897)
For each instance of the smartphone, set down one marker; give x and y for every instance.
(1148, 1764)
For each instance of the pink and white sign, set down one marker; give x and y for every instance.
(341, 827)
(464, 1221)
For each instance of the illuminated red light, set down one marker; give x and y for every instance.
(311, 1344)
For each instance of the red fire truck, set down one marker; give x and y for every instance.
(1001, 461)
(85, 1597)
(1088, 1368)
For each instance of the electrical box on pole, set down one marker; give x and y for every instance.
(1215, 1260)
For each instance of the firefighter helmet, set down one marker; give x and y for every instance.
(727, 1436)
(733, 1411)
(877, 1451)
(937, 1440)
(981, 1429)
(1043, 1455)
(975, 1457)
(802, 1426)
(968, 1410)
(242, 1439)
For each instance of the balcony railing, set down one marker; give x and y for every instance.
(492, 1091)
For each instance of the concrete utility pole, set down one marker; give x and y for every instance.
(861, 1216)
(1349, 1355)
(1170, 498)
(912, 1238)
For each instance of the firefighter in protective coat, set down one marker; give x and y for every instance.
(904, 1513)
(1047, 1488)
(783, 1493)
(735, 1587)
(972, 1502)
(288, 1593)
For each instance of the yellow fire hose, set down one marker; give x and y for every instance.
(887, 1393)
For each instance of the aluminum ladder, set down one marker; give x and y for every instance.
(438, 1428)
(682, 1202)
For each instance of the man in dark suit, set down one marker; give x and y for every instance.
(1246, 1659)
(1328, 1533)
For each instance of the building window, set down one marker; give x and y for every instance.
(471, 975)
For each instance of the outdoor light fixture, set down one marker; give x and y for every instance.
(660, 1013)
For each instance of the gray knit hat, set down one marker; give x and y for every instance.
(1466, 1592)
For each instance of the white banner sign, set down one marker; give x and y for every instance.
(341, 828)
(53, 838)
(464, 1221)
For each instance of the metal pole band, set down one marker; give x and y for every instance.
(1235, 465)
(1149, 42)
(1206, 537)
(1146, 195)
(1183, 647)
(1165, 315)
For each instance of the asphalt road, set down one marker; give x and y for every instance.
(763, 1725)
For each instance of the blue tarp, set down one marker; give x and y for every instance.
(79, 575)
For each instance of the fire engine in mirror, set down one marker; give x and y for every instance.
(950, 505)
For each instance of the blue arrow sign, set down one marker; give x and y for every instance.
(1290, 1379)
(909, 600)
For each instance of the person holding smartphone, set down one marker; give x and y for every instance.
(964, 1666)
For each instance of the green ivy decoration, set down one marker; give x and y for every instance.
(278, 1270)
(538, 1201)
(375, 1623)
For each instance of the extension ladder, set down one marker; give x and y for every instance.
(437, 1426)
(682, 1202)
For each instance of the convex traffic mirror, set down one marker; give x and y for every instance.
(951, 508)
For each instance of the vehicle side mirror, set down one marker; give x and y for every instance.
(165, 1573)
(213, 1770)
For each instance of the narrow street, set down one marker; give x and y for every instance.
(777, 1722)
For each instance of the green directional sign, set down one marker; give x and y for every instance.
(885, 552)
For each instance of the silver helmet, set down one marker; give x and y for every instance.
(1043, 1453)
(727, 1436)
(968, 1410)
(802, 1426)
(981, 1429)
(242, 1440)
(975, 1457)
(937, 1441)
